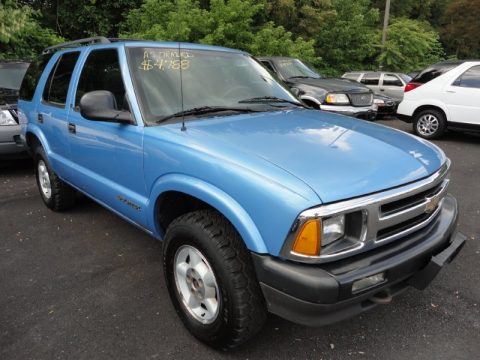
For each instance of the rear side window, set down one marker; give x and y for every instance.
(470, 78)
(433, 72)
(102, 72)
(370, 79)
(32, 76)
(391, 80)
(58, 81)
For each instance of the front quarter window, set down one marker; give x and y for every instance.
(215, 79)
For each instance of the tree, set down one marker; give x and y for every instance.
(21, 36)
(348, 39)
(462, 28)
(229, 23)
(411, 45)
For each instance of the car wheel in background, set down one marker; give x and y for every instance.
(429, 124)
(211, 280)
(56, 194)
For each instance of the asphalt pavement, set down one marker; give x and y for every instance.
(85, 284)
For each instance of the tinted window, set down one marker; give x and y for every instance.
(268, 66)
(434, 71)
(470, 78)
(391, 80)
(11, 75)
(30, 81)
(56, 88)
(102, 72)
(370, 79)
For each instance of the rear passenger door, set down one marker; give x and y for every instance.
(392, 85)
(463, 97)
(52, 111)
(371, 80)
(107, 156)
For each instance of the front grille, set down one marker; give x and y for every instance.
(361, 99)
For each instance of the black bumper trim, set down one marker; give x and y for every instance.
(318, 295)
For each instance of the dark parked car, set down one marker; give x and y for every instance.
(11, 76)
(330, 94)
(386, 105)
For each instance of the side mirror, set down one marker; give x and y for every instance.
(295, 91)
(100, 105)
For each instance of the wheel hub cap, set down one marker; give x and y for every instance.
(196, 284)
(427, 124)
(44, 179)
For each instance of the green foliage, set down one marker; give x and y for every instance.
(461, 32)
(228, 23)
(348, 38)
(21, 36)
(411, 45)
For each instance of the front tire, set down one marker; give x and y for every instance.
(429, 124)
(211, 280)
(56, 194)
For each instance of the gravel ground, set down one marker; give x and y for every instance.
(87, 285)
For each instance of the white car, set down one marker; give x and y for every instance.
(444, 95)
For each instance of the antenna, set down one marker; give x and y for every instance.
(181, 75)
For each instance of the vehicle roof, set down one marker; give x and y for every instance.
(109, 43)
(453, 62)
(374, 72)
(275, 58)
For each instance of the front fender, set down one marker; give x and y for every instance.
(211, 195)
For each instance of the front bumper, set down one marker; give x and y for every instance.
(11, 145)
(367, 112)
(319, 295)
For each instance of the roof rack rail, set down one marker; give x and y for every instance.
(75, 43)
(124, 39)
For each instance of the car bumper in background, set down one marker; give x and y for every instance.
(11, 145)
(367, 113)
(317, 295)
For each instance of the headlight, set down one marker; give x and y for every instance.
(315, 236)
(337, 99)
(6, 118)
(379, 102)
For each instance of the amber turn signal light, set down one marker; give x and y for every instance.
(308, 240)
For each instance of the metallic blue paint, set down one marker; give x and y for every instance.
(260, 170)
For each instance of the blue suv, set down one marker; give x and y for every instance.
(262, 204)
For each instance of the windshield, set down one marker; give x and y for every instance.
(11, 75)
(214, 79)
(406, 78)
(291, 68)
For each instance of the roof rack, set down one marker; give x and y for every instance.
(75, 43)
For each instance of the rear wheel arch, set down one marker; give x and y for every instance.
(429, 107)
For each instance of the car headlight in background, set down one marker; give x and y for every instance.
(379, 102)
(6, 118)
(337, 99)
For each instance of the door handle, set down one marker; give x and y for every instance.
(451, 91)
(72, 128)
(40, 118)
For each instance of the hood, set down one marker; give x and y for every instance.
(331, 84)
(336, 156)
(8, 96)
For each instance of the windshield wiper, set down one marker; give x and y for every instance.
(204, 110)
(300, 77)
(269, 99)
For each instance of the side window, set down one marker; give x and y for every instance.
(370, 79)
(56, 87)
(102, 72)
(32, 76)
(268, 66)
(470, 78)
(391, 80)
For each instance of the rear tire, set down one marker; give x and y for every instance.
(235, 309)
(56, 194)
(429, 124)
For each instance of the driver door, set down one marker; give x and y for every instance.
(107, 156)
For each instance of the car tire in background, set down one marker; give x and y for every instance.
(429, 124)
(55, 193)
(211, 280)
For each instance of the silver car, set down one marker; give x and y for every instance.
(11, 76)
(384, 83)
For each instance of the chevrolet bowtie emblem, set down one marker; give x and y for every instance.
(432, 204)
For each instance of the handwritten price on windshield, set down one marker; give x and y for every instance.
(163, 64)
